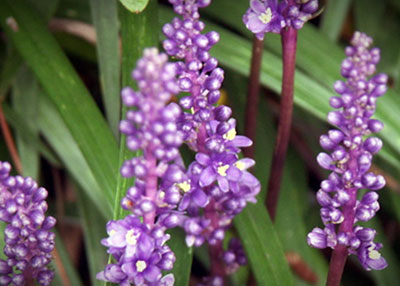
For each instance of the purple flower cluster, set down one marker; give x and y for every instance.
(351, 158)
(139, 246)
(217, 185)
(28, 239)
(266, 16)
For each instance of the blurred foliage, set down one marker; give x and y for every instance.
(60, 95)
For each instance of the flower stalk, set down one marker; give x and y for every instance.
(252, 95)
(289, 43)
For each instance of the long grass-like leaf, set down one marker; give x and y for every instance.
(63, 86)
(105, 20)
(94, 230)
(25, 92)
(333, 18)
(57, 134)
(262, 246)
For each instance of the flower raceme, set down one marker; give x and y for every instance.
(217, 181)
(137, 242)
(266, 16)
(28, 240)
(351, 158)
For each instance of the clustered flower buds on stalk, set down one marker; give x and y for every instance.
(28, 240)
(217, 185)
(137, 242)
(351, 158)
(265, 16)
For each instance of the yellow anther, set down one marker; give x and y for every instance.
(372, 253)
(230, 135)
(131, 238)
(266, 17)
(112, 232)
(140, 265)
(240, 165)
(192, 110)
(222, 170)
(184, 186)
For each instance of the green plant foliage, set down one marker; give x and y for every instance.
(135, 6)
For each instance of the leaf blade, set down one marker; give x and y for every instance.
(105, 20)
(135, 6)
(64, 87)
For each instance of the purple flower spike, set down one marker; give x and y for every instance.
(217, 185)
(28, 239)
(137, 242)
(351, 158)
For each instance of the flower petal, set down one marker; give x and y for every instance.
(207, 176)
(203, 159)
(325, 161)
(241, 141)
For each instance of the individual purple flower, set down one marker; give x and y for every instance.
(271, 16)
(264, 16)
(28, 240)
(350, 158)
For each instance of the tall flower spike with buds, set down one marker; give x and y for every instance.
(137, 242)
(217, 180)
(217, 185)
(351, 158)
(266, 16)
(28, 240)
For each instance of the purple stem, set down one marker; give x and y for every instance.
(216, 250)
(289, 42)
(252, 95)
(339, 253)
(151, 184)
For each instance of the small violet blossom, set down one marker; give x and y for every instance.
(271, 16)
(351, 158)
(28, 240)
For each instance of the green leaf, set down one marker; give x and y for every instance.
(184, 256)
(17, 121)
(135, 6)
(60, 139)
(94, 230)
(64, 87)
(70, 270)
(105, 20)
(290, 220)
(262, 246)
(9, 70)
(25, 93)
(333, 17)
